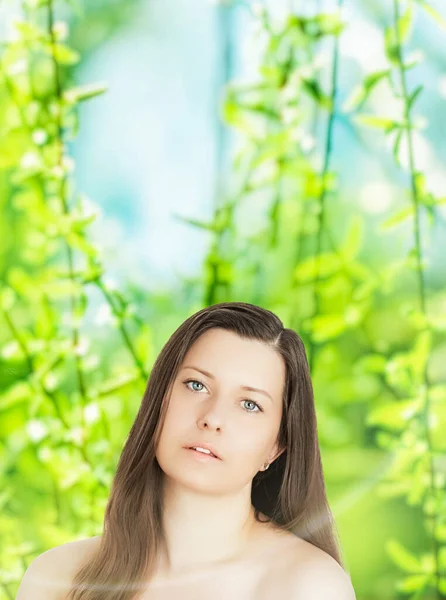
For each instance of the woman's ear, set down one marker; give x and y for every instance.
(275, 453)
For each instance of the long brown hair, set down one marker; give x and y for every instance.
(291, 493)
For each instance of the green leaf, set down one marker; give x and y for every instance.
(93, 272)
(396, 146)
(84, 92)
(29, 31)
(413, 583)
(393, 415)
(75, 222)
(233, 115)
(391, 45)
(318, 26)
(62, 53)
(402, 557)
(361, 93)
(429, 201)
(420, 184)
(329, 24)
(377, 122)
(275, 145)
(271, 73)
(195, 222)
(324, 264)
(414, 95)
(264, 110)
(413, 61)
(372, 79)
(405, 24)
(363, 290)
(326, 327)
(312, 87)
(433, 13)
(18, 393)
(116, 384)
(397, 218)
(78, 241)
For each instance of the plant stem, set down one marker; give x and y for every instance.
(420, 272)
(323, 192)
(63, 198)
(122, 329)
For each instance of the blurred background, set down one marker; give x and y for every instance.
(159, 156)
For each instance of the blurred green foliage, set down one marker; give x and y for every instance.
(373, 329)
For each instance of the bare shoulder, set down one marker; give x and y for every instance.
(50, 574)
(302, 571)
(315, 575)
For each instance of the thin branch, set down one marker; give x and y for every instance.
(421, 281)
(325, 171)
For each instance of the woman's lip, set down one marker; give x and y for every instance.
(203, 454)
(204, 447)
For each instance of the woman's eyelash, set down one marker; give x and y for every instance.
(244, 399)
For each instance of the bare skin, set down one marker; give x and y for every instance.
(258, 575)
(266, 547)
(269, 571)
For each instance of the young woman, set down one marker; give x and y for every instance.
(219, 491)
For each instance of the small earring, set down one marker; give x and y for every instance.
(266, 467)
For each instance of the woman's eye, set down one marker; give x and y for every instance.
(259, 408)
(192, 381)
(255, 403)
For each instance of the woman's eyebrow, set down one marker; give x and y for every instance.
(243, 387)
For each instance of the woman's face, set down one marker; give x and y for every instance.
(242, 425)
